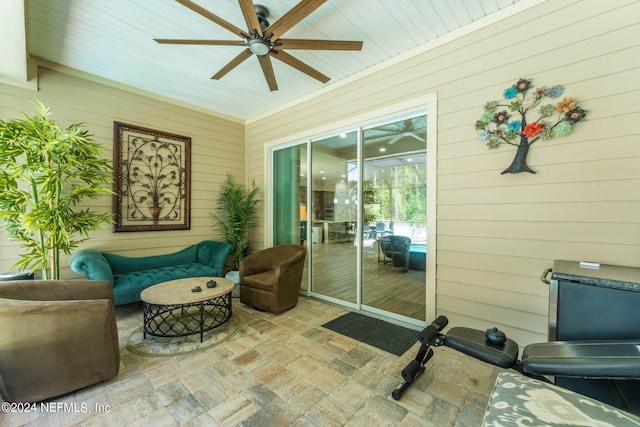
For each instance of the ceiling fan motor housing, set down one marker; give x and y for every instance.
(263, 14)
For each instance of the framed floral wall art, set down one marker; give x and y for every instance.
(152, 179)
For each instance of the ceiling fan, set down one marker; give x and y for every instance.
(265, 40)
(410, 128)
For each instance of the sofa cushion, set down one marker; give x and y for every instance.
(127, 287)
(124, 264)
(518, 401)
(264, 280)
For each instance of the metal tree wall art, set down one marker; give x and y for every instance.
(153, 179)
(527, 120)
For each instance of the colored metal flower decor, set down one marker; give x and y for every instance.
(498, 126)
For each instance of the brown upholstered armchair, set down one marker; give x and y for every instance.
(56, 337)
(270, 279)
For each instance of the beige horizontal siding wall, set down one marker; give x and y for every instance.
(497, 233)
(217, 147)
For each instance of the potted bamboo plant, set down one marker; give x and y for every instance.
(45, 174)
(234, 216)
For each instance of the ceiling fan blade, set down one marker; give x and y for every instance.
(292, 17)
(202, 42)
(299, 65)
(318, 44)
(405, 134)
(267, 69)
(204, 12)
(395, 139)
(381, 136)
(250, 16)
(233, 64)
(413, 135)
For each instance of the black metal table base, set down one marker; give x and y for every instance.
(177, 320)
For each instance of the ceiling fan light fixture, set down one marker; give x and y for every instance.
(259, 46)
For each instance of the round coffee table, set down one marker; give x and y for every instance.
(172, 309)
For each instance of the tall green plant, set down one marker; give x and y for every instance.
(45, 173)
(235, 211)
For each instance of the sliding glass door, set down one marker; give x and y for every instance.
(357, 200)
(333, 218)
(394, 217)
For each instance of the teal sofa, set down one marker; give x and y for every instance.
(130, 276)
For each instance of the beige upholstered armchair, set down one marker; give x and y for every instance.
(55, 337)
(270, 279)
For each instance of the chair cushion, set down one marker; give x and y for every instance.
(264, 281)
(583, 359)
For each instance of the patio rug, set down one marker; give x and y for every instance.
(386, 336)
(179, 346)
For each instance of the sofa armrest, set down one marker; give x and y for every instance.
(92, 264)
(56, 290)
(214, 254)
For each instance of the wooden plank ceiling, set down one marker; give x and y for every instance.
(114, 39)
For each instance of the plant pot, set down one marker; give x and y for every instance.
(16, 275)
(234, 276)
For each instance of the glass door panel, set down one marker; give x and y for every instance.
(333, 217)
(394, 214)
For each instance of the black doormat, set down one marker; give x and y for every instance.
(378, 333)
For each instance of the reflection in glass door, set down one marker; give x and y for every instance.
(290, 199)
(333, 218)
(394, 218)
